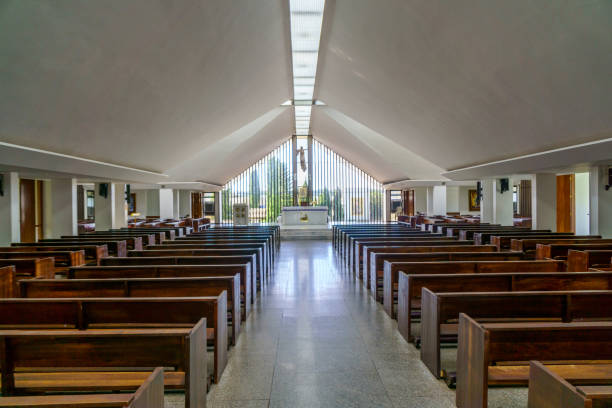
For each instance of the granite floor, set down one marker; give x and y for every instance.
(317, 339)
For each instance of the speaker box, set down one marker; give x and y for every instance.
(478, 192)
(504, 185)
(103, 192)
(609, 179)
(127, 192)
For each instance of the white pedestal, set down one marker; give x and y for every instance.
(304, 215)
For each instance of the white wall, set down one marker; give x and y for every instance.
(185, 203)
(544, 201)
(141, 202)
(503, 206)
(10, 217)
(64, 208)
(420, 199)
(452, 199)
(104, 208)
(600, 202)
(166, 203)
(439, 200)
(581, 197)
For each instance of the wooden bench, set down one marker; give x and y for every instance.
(560, 251)
(528, 246)
(257, 264)
(62, 259)
(142, 288)
(549, 389)
(116, 247)
(172, 271)
(581, 261)
(168, 233)
(359, 257)
(352, 238)
(482, 238)
(448, 279)
(376, 255)
(132, 242)
(392, 267)
(354, 251)
(8, 281)
(468, 232)
(511, 345)
(147, 238)
(42, 352)
(267, 244)
(32, 267)
(93, 253)
(149, 395)
(440, 312)
(504, 242)
(190, 260)
(125, 313)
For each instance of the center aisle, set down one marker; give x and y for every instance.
(317, 339)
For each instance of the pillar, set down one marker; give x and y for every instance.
(176, 213)
(110, 211)
(185, 203)
(495, 206)
(166, 203)
(439, 200)
(420, 200)
(544, 201)
(10, 227)
(430, 206)
(452, 199)
(600, 202)
(63, 208)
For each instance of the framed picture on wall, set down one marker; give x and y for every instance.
(474, 205)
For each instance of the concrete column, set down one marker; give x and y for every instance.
(544, 201)
(63, 207)
(487, 201)
(166, 203)
(217, 207)
(600, 202)
(104, 207)
(176, 213)
(430, 201)
(185, 203)
(439, 200)
(121, 215)
(10, 227)
(495, 206)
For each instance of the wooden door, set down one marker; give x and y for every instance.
(196, 205)
(27, 197)
(565, 203)
(408, 202)
(38, 227)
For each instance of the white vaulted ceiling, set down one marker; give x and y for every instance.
(190, 90)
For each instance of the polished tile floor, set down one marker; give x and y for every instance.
(317, 339)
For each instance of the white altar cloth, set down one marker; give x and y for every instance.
(304, 215)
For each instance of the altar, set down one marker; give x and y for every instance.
(316, 215)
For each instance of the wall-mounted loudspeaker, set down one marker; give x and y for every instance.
(1, 184)
(478, 192)
(609, 179)
(504, 185)
(103, 191)
(127, 193)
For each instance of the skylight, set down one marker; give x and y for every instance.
(306, 21)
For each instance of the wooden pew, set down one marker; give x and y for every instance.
(440, 310)
(266, 260)
(482, 238)
(267, 244)
(391, 272)
(528, 246)
(149, 395)
(213, 234)
(508, 344)
(353, 237)
(468, 232)
(93, 253)
(580, 261)
(376, 254)
(147, 238)
(503, 242)
(190, 260)
(560, 251)
(8, 281)
(258, 266)
(132, 242)
(359, 257)
(180, 348)
(115, 313)
(353, 255)
(116, 247)
(168, 233)
(548, 389)
(172, 271)
(440, 277)
(141, 287)
(62, 259)
(32, 267)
